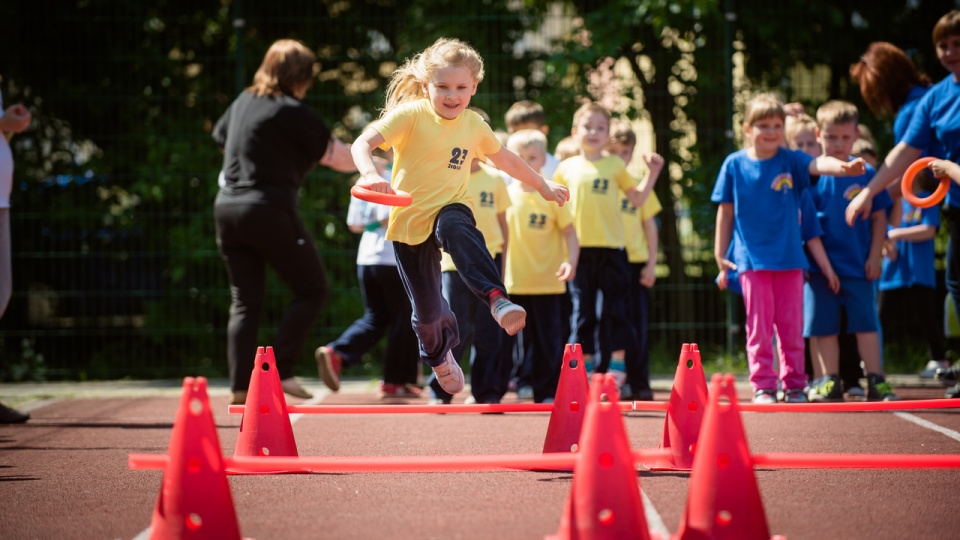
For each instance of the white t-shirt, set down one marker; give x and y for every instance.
(374, 248)
(6, 167)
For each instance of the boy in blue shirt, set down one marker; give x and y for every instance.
(855, 254)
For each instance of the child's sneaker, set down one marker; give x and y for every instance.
(795, 395)
(878, 389)
(397, 391)
(949, 375)
(619, 372)
(828, 389)
(508, 315)
(449, 375)
(329, 364)
(932, 367)
(525, 392)
(765, 396)
(855, 392)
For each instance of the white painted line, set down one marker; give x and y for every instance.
(929, 425)
(654, 521)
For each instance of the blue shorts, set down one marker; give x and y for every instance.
(821, 308)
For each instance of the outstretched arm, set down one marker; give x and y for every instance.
(338, 157)
(639, 194)
(512, 164)
(893, 168)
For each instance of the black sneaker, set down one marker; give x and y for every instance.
(12, 416)
(878, 389)
(950, 375)
(828, 388)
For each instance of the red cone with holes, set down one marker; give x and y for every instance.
(723, 501)
(195, 499)
(569, 404)
(604, 501)
(688, 399)
(265, 429)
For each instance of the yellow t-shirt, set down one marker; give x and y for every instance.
(537, 245)
(633, 219)
(594, 189)
(488, 192)
(432, 158)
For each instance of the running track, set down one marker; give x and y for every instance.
(65, 474)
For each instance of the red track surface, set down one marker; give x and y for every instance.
(65, 474)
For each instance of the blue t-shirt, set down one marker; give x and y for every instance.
(914, 264)
(765, 194)
(936, 119)
(847, 247)
(809, 228)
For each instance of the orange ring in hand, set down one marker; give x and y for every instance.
(906, 185)
(397, 198)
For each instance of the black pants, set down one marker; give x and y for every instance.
(252, 237)
(923, 300)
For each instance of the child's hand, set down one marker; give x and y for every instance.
(725, 266)
(890, 250)
(942, 168)
(554, 192)
(19, 116)
(855, 167)
(833, 282)
(794, 109)
(566, 272)
(654, 162)
(872, 269)
(648, 276)
(374, 182)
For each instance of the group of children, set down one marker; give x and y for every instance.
(493, 234)
(503, 227)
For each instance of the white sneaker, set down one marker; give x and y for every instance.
(449, 374)
(508, 315)
(931, 368)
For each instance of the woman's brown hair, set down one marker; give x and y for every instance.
(287, 66)
(885, 75)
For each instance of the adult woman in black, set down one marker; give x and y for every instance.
(270, 140)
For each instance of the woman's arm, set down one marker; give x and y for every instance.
(338, 157)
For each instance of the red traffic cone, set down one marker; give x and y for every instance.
(688, 400)
(195, 499)
(723, 500)
(265, 429)
(569, 405)
(604, 501)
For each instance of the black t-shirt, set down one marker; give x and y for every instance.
(269, 144)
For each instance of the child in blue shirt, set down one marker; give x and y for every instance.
(759, 190)
(908, 272)
(855, 254)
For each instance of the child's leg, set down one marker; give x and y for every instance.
(486, 381)
(757, 288)
(828, 349)
(433, 322)
(546, 351)
(401, 365)
(613, 277)
(583, 291)
(868, 343)
(788, 318)
(463, 305)
(457, 232)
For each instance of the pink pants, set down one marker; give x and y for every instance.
(774, 301)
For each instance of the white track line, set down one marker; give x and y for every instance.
(654, 521)
(928, 424)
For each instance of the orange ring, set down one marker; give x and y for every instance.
(906, 185)
(397, 198)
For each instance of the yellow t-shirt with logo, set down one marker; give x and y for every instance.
(432, 157)
(488, 192)
(594, 189)
(537, 245)
(633, 219)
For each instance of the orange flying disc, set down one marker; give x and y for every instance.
(906, 185)
(397, 198)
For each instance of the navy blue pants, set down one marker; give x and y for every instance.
(602, 270)
(542, 342)
(252, 237)
(386, 310)
(637, 351)
(455, 230)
